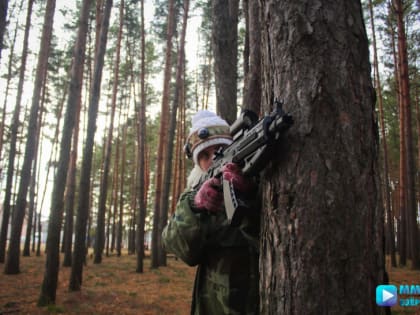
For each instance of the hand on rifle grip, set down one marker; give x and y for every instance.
(210, 196)
(233, 174)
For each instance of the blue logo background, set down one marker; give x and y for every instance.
(386, 295)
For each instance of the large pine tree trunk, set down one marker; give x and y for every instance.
(322, 227)
(225, 50)
(12, 262)
(85, 181)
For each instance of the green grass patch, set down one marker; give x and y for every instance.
(164, 279)
(55, 309)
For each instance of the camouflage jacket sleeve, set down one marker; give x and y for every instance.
(185, 233)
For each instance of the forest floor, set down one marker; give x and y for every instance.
(113, 287)
(403, 275)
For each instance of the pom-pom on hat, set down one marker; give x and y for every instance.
(207, 130)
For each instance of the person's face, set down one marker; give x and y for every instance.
(205, 157)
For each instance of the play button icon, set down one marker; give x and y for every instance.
(386, 295)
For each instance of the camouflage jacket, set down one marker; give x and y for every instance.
(227, 257)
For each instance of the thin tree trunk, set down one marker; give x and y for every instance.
(378, 87)
(164, 202)
(32, 190)
(49, 284)
(71, 190)
(122, 177)
(10, 65)
(411, 207)
(85, 182)
(141, 169)
(36, 246)
(133, 205)
(13, 139)
(163, 138)
(100, 232)
(402, 235)
(115, 184)
(12, 264)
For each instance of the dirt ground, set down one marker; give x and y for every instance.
(112, 287)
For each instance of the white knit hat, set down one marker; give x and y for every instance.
(207, 130)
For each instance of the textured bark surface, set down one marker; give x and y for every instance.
(322, 229)
(225, 50)
(252, 91)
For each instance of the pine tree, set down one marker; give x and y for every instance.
(322, 212)
(13, 261)
(85, 183)
(13, 139)
(49, 284)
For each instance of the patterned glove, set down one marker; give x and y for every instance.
(210, 196)
(233, 173)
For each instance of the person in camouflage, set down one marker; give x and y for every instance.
(199, 233)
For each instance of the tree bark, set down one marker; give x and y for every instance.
(225, 50)
(322, 225)
(252, 93)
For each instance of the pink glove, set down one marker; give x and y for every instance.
(210, 196)
(233, 173)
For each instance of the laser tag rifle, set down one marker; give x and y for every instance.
(251, 149)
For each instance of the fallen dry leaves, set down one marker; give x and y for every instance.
(112, 287)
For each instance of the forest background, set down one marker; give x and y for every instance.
(147, 82)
